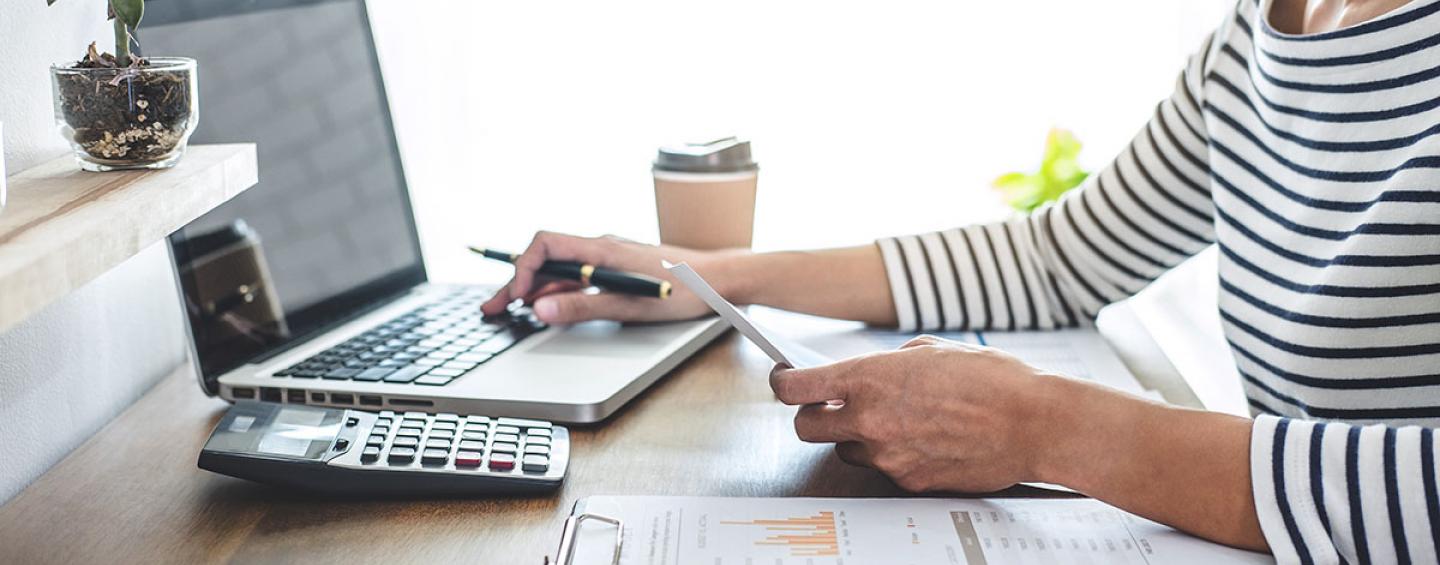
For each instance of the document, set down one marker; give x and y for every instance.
(775, 346)
(908, 531)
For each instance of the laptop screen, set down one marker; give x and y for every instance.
(328, 231)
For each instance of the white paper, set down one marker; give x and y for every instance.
(910, 531)
(774, 345)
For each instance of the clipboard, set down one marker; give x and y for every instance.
(570, 535)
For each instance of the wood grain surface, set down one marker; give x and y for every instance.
(63, 227)
(132, 493)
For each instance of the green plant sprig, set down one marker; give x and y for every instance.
(1059, 172)
(126, 15)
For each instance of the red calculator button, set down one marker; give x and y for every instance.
(502, 461)
(467, 459)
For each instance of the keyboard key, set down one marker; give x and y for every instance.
(506, 429)
(406, 374)
(375, 439)
(400, 455)
(382, 430)
(431, 343)
(437, 443)
(435, 456)
(537, 450)
(507, 438)
(445, 434)
(476, 358)
(502, 461)
(497, 343)
(474, 436)
(467, 459)
(387, 413)
(428, 380)
(535, 464)
(370, 455)
(459, 366)
(342, 373)
(406, 441)
(504, 448)
(375, 374)
(443, 372)
(470, 445)
(441, 355)
(412, 432)
(537, 440)
(447, 417)
(428, 362)
(416, 415)
(477, 421)
(537, 432)
(439, 425)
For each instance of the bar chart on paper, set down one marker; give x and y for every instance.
(819, 531)
(803, 536)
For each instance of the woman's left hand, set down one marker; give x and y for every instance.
(934, 415)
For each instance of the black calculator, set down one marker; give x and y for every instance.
(350, 452)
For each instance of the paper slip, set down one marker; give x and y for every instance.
(661, 530)
(773, 344)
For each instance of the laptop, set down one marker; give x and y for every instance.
(310, 288)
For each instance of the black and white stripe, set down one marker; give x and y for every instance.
(1314, 163)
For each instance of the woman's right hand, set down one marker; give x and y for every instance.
(568, 302)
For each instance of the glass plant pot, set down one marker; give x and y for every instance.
(127, 118)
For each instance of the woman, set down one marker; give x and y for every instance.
(1300, 139)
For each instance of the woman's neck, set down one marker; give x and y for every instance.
(1303, 17)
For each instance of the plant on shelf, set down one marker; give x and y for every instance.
(121, 110)
(1059, 172)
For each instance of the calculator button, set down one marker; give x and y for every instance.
(538, 432)
(467, 459)
(406, 441)
(446, 434)
(387, 413)
(401, 455)
(381, 430)
(409, 432)
(438, 425)
(414, 422)
(507, 438)
(533, 449)
(507, 430)
(535, 463)
(476, 436)
(477, 421)
(447, 417)
(502, 461)
(414, 415)
(384, 422)
(434, 443)
(504, 448)
(342, 444)
(472, 445)
(537, 440)
(435, 456)
(370, 455)
(375, 440)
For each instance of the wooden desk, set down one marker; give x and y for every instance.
(132, 493)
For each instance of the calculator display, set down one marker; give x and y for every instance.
(291, 431)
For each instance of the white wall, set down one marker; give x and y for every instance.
(71, 368)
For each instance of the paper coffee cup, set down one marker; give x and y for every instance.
(705, 194)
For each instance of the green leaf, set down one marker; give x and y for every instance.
(1059, 172)
(129, 11)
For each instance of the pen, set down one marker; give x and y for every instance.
(634, 284)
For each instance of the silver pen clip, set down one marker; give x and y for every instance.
(566, 554)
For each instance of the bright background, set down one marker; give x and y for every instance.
(868, 119)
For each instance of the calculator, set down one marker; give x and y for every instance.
(352, 452)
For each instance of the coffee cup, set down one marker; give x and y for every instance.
(705, 194)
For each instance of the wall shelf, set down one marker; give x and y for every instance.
(63, 227)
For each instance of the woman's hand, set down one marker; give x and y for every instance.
(567, 302)
(934, 415)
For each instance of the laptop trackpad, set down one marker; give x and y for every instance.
(611, 339)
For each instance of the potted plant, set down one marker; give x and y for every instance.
(123, 111)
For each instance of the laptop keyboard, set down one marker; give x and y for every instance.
(431, 345)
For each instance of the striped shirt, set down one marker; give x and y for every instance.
(1313, 163)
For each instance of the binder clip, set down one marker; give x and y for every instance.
(566, 554)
